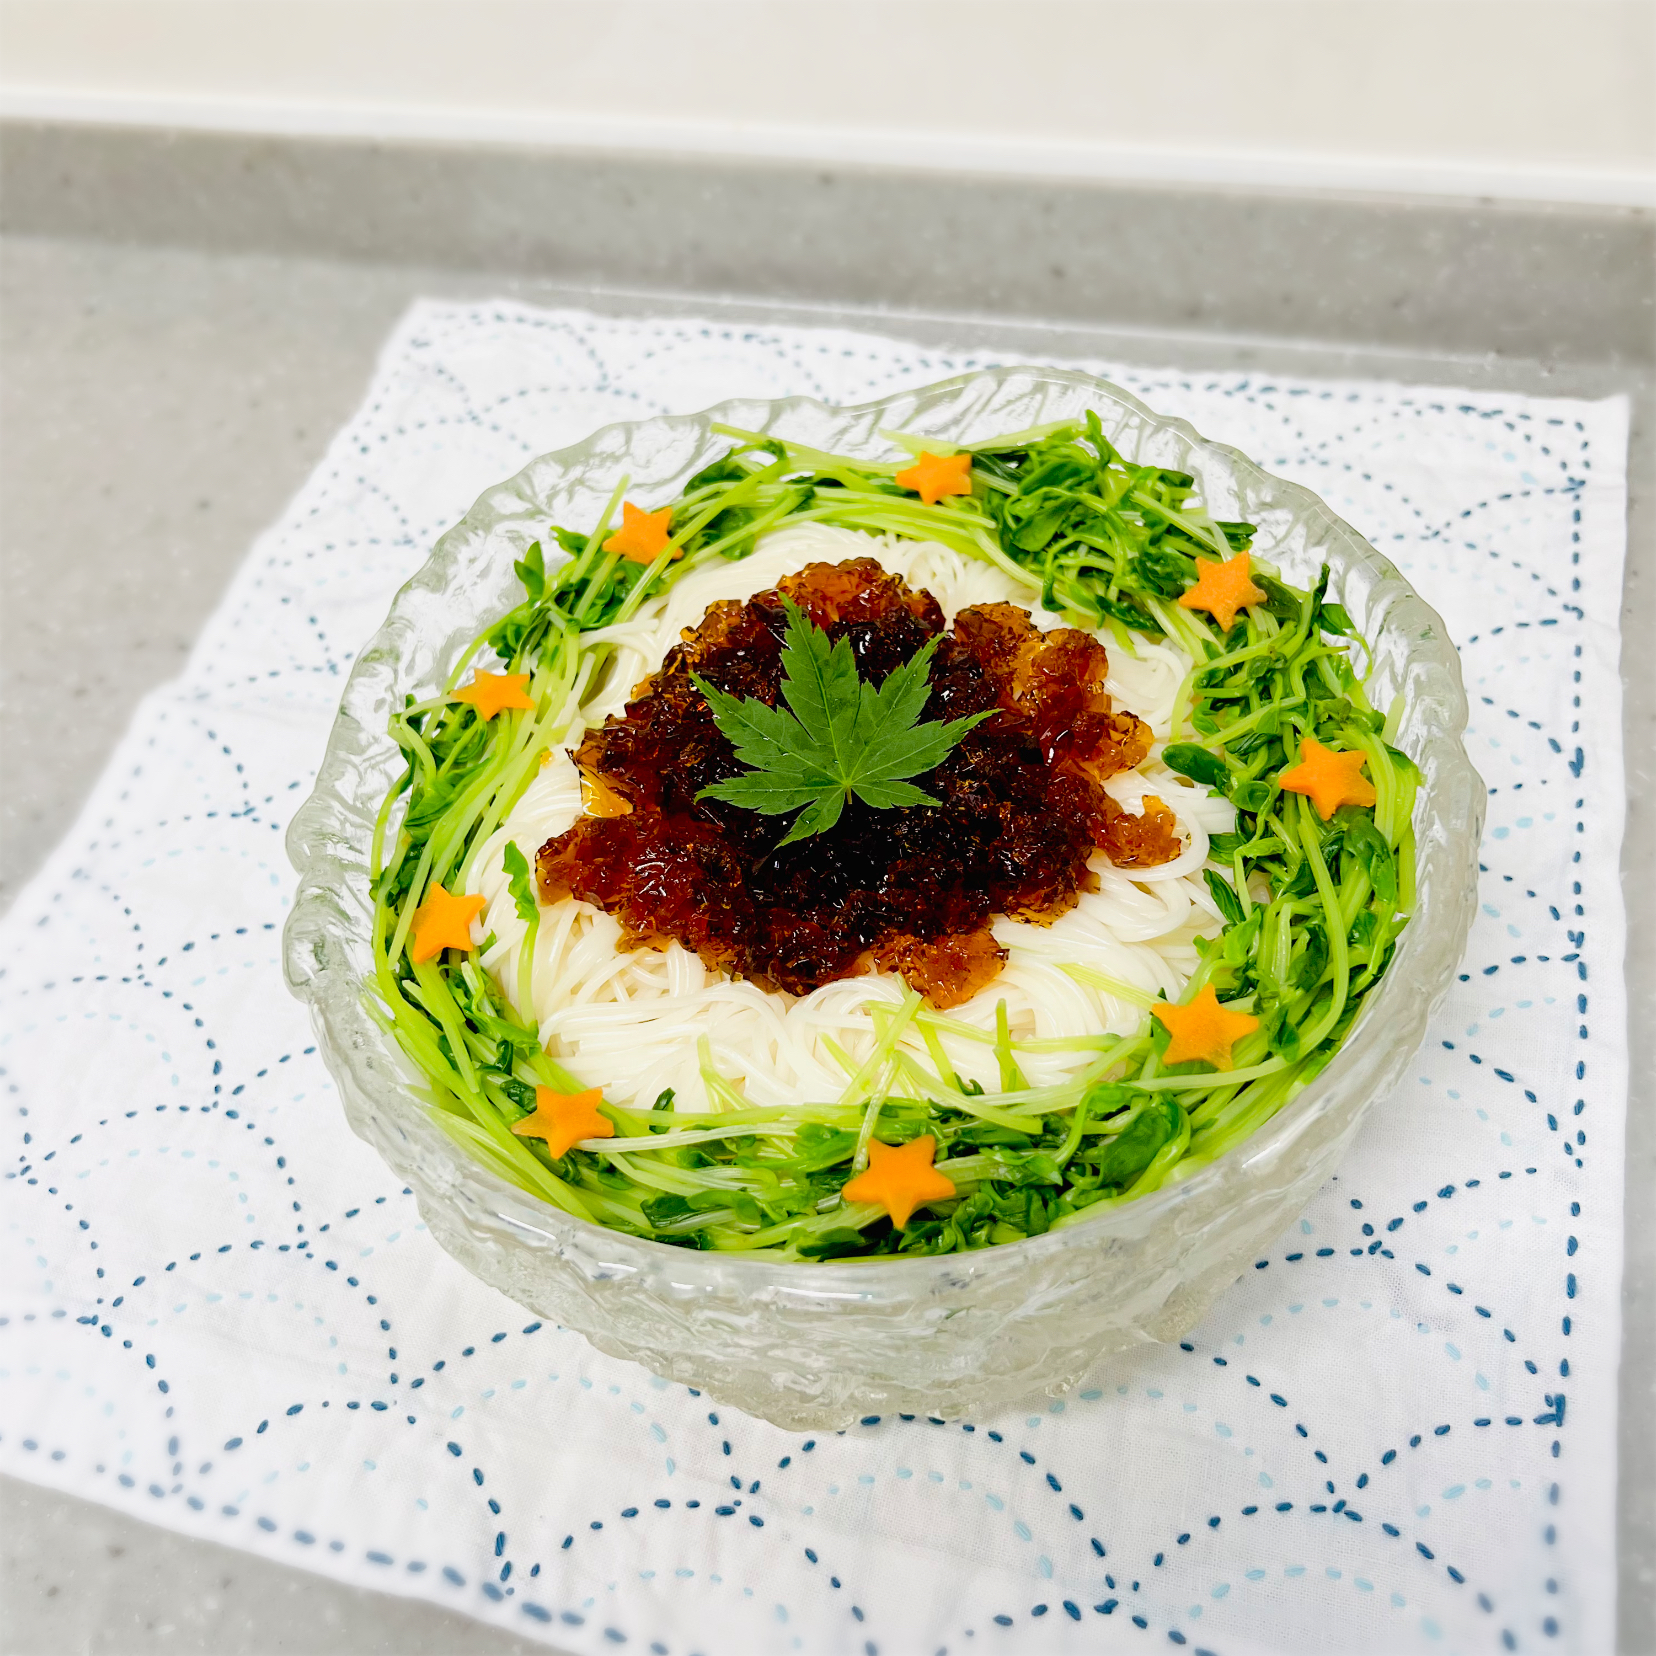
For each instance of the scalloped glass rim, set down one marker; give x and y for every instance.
(814, 1345)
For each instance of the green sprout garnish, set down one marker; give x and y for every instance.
(1310, 908)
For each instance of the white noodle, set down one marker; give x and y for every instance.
(630, 1020)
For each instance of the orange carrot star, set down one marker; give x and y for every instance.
(643, 536)
(934, 475)
(492, 693)
(442, 921)
(1329, 779)
(1203, 1030)
(1222, 589)
(900, 1178)
(563, 1119)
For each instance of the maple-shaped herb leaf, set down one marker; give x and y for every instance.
(837, 735)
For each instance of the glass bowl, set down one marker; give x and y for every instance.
(811, 1346)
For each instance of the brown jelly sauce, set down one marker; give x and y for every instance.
(910, 890)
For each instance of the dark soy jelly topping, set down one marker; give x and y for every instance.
(911, 890)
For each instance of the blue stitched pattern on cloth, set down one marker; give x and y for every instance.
(221, 1312)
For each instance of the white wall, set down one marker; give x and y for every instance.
(1539, 98)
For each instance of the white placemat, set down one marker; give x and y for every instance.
(1397, 1432)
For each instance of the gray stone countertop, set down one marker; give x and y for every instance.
(185, 322)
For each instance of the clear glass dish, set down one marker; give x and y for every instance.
(817, 1345)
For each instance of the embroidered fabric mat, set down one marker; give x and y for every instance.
(221, 1313)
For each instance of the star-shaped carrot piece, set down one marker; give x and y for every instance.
(643, 536)
(563, 1119)
(1203, 1030)
(1329, 779)
(492, 693)
(442, 921)
(1222, 589)
(900, 1177)
(934, 475)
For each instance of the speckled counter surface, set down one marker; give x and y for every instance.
(184, 323)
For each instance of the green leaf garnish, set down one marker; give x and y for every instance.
(837, 736)
(1198, 764)
(1230, 905)
(520, 883)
